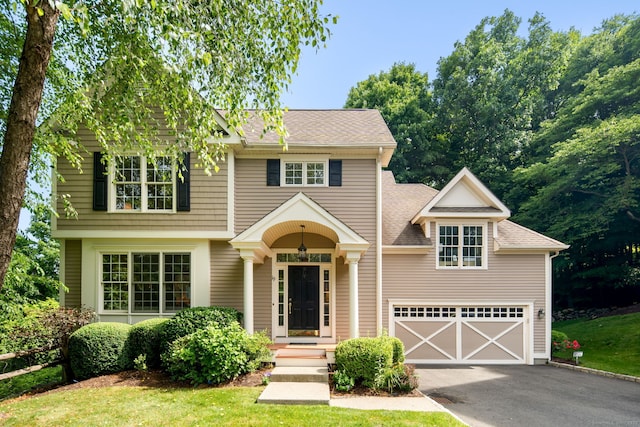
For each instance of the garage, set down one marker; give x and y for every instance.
(463, 333)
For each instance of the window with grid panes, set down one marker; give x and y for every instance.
(305, 173)
(461, 246)
(143, 185)
(160, 282)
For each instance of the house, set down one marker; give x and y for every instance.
(314, 244)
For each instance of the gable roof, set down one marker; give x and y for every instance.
(464, 196)
(287, 218)
(356, 130)
(400, 202)
(404, 207)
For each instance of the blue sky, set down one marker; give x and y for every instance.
(371, 35)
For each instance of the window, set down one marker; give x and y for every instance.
(461, 246)
(140, 185)
(305, 173)
(160, 282)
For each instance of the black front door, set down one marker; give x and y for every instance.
(304, 296)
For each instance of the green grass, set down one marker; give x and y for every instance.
(128, 406)
(609, 343)
(16, 386)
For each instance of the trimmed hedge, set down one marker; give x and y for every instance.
(144, 338)
(363, 358)
(190, 320)
(99, 348)
(216, 354)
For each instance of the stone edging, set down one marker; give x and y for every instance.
(595, 371)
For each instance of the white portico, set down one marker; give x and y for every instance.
(315, 273)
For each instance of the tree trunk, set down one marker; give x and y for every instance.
(21, 123)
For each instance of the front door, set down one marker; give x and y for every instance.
(304, 300)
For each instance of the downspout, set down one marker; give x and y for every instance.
(379, 241)
(548, 303)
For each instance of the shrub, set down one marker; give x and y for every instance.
(557, 341)
(144, 339)
(398, 348)
(41, 325)
(397, 378)
(363, 358)
(215, 354)
(190, 320)
(342, 381)
(99, 348)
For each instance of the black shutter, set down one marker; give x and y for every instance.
(184, 186)
(100, 183)
(335, 173)
(273, 172)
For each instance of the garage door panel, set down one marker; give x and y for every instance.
(425, 351)
(491, 352)
(462, 334)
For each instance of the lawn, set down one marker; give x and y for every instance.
(608, 343)
(232, 406)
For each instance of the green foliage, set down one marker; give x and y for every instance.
(609, 343)
(403, 97)
(557, 338)
(192, 319)
(342, 381)
(493, 92)
(398, 348)
(33, 271)
(17, 386)
(145, 339)
(40, 325)
(215, 354)
(587, 192)
(186, 407)
(362, 358)
(99, 348)
(397, 378)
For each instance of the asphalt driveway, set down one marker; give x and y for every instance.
(540, 395)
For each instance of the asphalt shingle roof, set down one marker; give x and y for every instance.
(326, 128)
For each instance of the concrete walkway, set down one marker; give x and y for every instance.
(423, 404)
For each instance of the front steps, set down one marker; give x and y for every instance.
(301, 377)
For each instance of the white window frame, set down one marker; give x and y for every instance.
(130, 285)
(460, 264)
(305, 162)
(144, 199)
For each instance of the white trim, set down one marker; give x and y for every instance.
(304, 160)
(526, 321)
(280, 333)
(461, 225)
(231, 193)
(464, 177)
(379, 323)
(91, 288)
(142, 234)
(112, 194)
(406, 250)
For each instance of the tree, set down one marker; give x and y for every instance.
(587, 193)
(109, 64)
(491, 94)
(403, 97)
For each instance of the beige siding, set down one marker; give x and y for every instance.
(73, 272)
(509, 277)
(226, 276)
(208, 200)
(353, 203)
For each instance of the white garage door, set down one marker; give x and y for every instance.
(462, 334)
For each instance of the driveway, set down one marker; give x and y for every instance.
(539, 395)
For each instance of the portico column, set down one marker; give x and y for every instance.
(354, 315)
(248, 292)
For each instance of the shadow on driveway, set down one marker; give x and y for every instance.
(539, 395)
